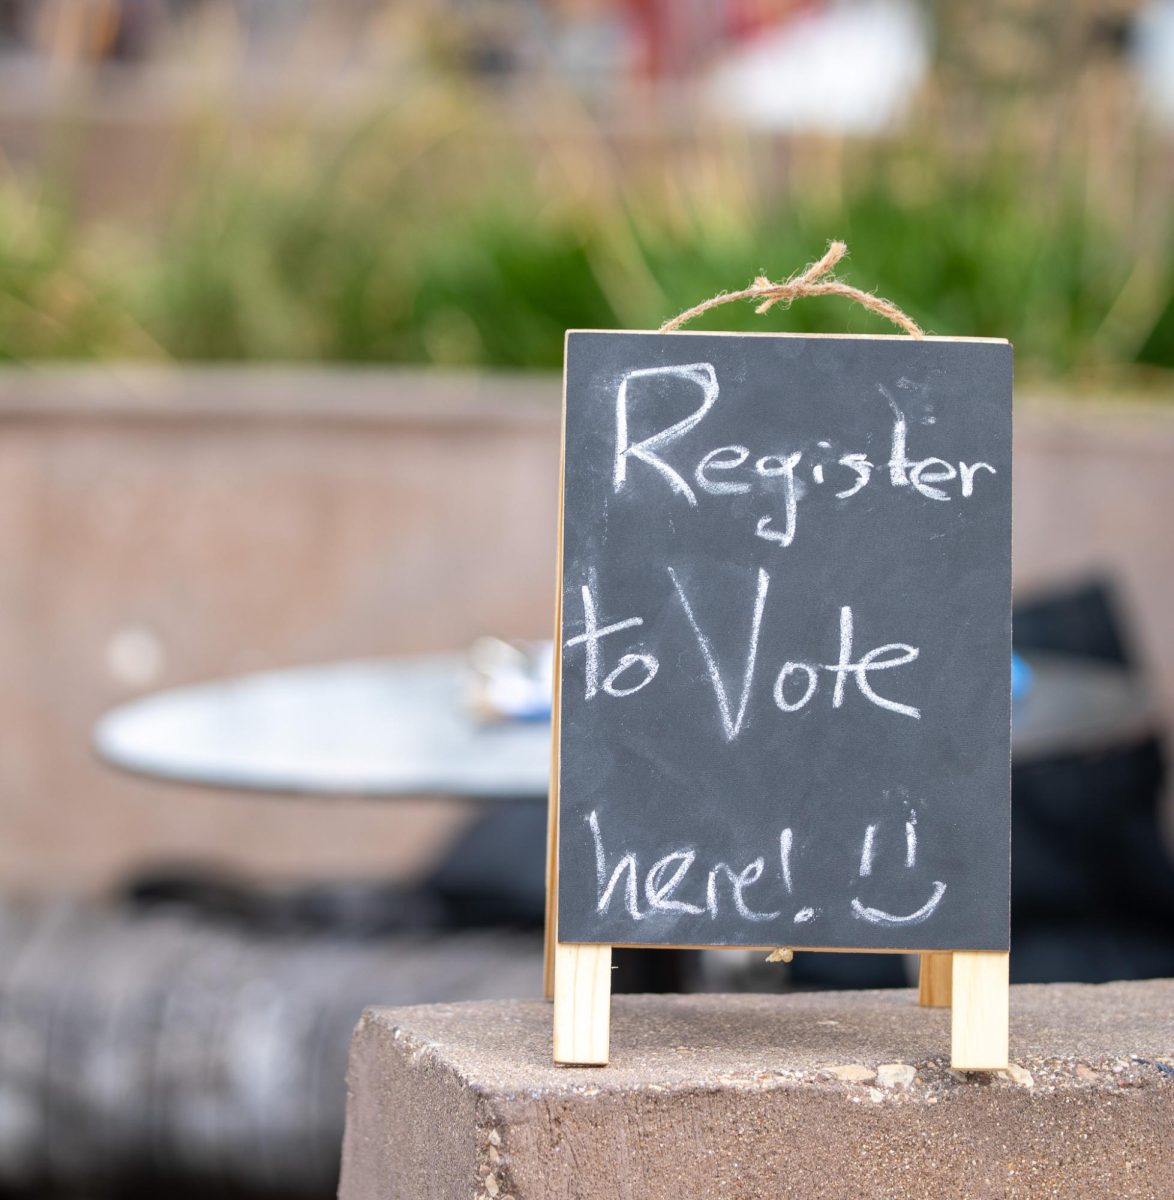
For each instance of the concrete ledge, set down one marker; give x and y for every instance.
(828, 1095)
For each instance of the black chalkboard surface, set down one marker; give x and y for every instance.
(784, 708)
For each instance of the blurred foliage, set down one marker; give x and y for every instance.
(439, 232)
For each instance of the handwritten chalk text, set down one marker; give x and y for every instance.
(782, 476)
(796, 682)
(670, 885)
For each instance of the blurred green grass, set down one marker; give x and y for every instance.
(431, 234)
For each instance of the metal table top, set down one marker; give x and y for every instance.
(402, 727)
(374, 728)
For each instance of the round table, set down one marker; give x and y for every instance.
(398, 727)
(402, 727)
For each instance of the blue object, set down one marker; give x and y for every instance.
(1020, 678)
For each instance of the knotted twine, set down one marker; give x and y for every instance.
(816, 280)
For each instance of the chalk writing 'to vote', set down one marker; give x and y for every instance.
(795, 683)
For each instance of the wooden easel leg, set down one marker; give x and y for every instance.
(550, 931)
(981, 1011)
(582, 1004)
(551, 939)
(935, 980)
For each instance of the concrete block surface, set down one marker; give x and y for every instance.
(844, 1094)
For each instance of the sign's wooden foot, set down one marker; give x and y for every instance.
(582, 1004)
(935, 980)
(550, 941)
(981, 1010)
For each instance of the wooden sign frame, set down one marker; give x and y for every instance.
(974, 984)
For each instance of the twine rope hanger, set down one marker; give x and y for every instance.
(818, 279)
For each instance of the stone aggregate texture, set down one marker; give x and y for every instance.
(846, 1094)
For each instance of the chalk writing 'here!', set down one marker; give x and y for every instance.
(669, 883)
(780, 476)
(796, 681)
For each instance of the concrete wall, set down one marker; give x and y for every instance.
(1094, 490)
(831, 1095)
(159, 528)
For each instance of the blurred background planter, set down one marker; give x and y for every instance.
(169, 525)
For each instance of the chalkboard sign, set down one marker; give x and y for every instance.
(784, 707)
